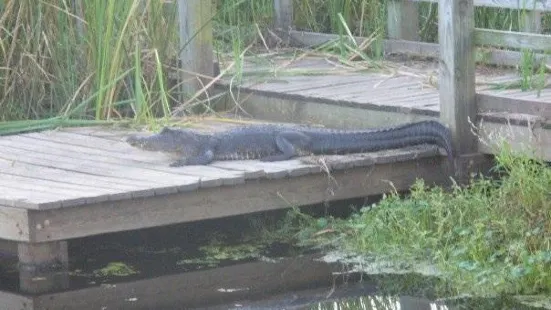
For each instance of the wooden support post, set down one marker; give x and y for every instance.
(283, 21)
(457, 72)
(403, 20)
(283, 10)
(531, 21)
(43, 267)
(196, 48)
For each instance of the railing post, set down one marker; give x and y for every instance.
(531, 21)
(283, 11)
(403, 20)
(457, 72)
(196, 48)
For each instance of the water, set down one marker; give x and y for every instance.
(180, 267)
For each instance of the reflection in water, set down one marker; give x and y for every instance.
(173, 268)
(360, 296)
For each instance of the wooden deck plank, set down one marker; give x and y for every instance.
(313, 83)
(103, 144)
(351, 93)
(370, 93)
(94, 167)
(157, 183)
(253, 196)
(87, 193)
(14, 197)
(288, 168)
(414, 99)
(338, 87)
(66, 177)
(230, 176)
(251, 172)
(270, 170)
(398, 98)
(209, 176)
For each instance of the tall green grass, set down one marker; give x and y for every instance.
(54, 55)
(117, 56)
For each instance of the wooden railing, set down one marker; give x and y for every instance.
(458, 38)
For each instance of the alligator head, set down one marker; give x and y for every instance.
(181, 141)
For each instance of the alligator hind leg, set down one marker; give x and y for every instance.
(204, 158)
(287, 142)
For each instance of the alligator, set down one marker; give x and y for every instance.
(278, 142)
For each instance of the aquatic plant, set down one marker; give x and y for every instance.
(491, 236)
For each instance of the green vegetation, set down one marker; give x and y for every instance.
(115, 269)
(81, 62)
(489, 237)
(214, 254)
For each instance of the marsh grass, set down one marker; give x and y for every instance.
(490, 237)
(111, 60)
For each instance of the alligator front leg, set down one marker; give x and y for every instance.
(204, 158)
(287, 142)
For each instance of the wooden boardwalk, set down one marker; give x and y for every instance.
(63, 184)
(405, 86)
(319, 90)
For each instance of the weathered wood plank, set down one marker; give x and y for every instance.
(333, 113)
(520, 138)
(419, 100)
(253, 196)
(390, 97)
(87, 194)
(250, 171)
(403, 20)
(132, 176)
(14, 224)
(371, 87)
(314, 83)
(457, 71)
(159, 183)
(509, 4)
(211, 173)
(150, 161)
(66, 177)
(486, 55)
(14, 197)
(500, 38)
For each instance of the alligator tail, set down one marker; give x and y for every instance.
(431, 132)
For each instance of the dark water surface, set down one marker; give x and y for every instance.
(183, 267)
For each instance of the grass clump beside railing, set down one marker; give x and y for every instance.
(492, 236)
